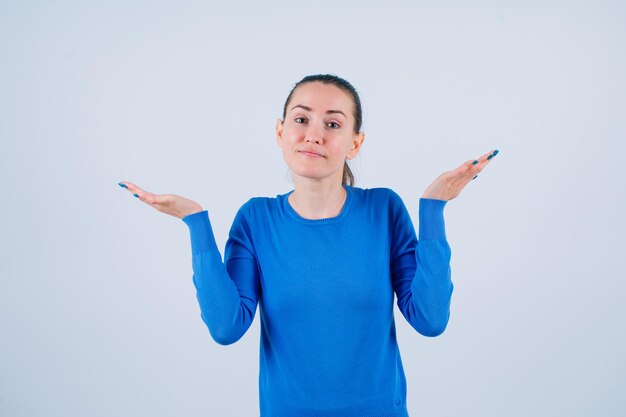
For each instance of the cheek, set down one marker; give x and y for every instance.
(290, 136)
(344, 144)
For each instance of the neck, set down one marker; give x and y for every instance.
(314, 199)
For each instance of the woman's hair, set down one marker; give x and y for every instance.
(348, 177)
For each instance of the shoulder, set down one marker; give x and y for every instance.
(380, 195)
(251, 205)
(257, 207)
(389, 201)
(246, 217)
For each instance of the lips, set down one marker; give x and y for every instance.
(309, 152)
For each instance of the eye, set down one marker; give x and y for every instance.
(297, 118)
(335, 124)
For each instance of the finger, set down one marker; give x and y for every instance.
(131, 187)
(486, 158)
(155, 200)
(482, 161)
(469, 169)
(145, 196)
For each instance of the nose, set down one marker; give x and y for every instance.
(314, 134)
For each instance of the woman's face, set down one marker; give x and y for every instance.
(318, 119)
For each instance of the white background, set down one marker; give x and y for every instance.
(98, 315)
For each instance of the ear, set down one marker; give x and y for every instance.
(279, 132)
(356, 145)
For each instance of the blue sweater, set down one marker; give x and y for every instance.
(325, 290)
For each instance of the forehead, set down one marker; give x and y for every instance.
(321, 97)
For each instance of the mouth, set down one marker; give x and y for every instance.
(312, 154)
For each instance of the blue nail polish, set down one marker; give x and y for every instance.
(490, 156)
(474, 163)
(474, 177)
(136, 195)
(122, 185)
(495, 152)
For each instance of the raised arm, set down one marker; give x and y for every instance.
(227, 291)
(420, 268)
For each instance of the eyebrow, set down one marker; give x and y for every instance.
(328, 112)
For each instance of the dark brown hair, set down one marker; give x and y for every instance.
(348, 177)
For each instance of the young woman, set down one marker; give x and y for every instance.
(323, 262)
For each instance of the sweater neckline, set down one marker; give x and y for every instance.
(328, 220)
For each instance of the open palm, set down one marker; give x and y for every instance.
(450, 184)
(171, 204)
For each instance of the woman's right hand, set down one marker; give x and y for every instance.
(171, 204)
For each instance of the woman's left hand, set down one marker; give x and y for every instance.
(449, 184)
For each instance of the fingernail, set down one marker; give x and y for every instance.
(490, 156)
(474, 163)
(495, 152)
(136, 195)
(122, 185)
(474, 177)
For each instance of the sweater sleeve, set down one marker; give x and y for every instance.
(420, 269)
(227, 291)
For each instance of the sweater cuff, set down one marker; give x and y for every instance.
(202, 238)
(432, 225)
